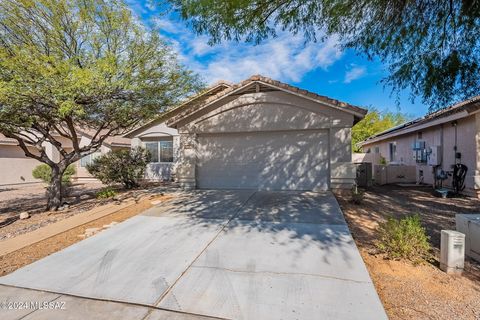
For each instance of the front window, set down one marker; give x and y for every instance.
(152, 147)
(166, 151)
(88, 159)
(160, 151)
(393, 151)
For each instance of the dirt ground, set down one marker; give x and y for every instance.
(408, 291)
(15, 260)
(31, 198)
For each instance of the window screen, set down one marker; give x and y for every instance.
(152, 147)
(166, 151)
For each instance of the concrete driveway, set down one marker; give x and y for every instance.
(207, 254)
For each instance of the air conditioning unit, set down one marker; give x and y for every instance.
(469, 224)
(435, 156)
(452, 251)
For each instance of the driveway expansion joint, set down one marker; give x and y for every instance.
(135, 304)
(282, 273)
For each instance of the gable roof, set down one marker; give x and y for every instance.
(7, 141)
(115, 141)
(267, 84)
(456, 111)
(198, 98)
(111, 141)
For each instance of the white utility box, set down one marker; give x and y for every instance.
(469, 224)
(435, 156)
(452, 251)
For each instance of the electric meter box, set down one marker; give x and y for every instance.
(434, 159)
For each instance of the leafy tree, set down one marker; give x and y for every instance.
(72, 65)
(373, 123)
(121, 166)
(431, 46)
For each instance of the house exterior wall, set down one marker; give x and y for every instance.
(159, 171)
(15, 167)
(269, 112)
(467, 138)
(81, 172)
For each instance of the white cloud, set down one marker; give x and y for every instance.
(354, 72)
(166, 25)
(286, 58)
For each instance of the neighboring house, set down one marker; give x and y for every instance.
(16, 168)
(258, 134)
(426, 148)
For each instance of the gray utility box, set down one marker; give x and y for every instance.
(364, 174)
(469, 225)
(452, 251)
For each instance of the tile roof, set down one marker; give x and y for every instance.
(113, 141)
(214, 89)
(274, 83)
(473, 102)
(7, 141)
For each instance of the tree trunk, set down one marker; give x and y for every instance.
(55, 192)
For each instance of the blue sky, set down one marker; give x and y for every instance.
(318, 67)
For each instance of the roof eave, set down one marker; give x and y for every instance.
(360, 114)
(170, 113)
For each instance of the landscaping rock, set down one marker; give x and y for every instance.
(111, 224)
(91, 231)
(64, 207)
(24, 215)
(84, 197)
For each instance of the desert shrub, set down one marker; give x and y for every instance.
(106, 193)
(120, 166)
(44, 173)
(404, 239)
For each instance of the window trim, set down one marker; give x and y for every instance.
(392, 150)
(159, 151)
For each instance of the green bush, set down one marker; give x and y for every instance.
(404, 239)
(120, 166)
(106, 193)
(44, 173)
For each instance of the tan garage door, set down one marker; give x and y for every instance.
(287, 160)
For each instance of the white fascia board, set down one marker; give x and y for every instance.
(432, 123)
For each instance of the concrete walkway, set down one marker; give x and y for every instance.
(221, 254)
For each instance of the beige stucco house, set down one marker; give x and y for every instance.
(424, 149)
(162, 141)
(16, 168)
(257, 134)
